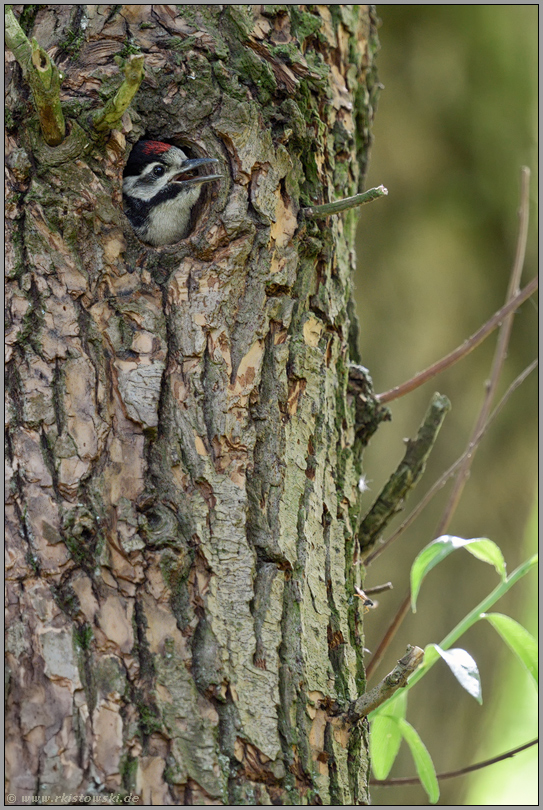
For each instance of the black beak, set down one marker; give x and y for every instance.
(191, 165)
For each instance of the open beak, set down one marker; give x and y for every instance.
(189, 166)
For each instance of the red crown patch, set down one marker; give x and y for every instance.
(154, 147)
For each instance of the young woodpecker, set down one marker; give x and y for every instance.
(160, 189)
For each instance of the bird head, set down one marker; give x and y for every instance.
(161, 185)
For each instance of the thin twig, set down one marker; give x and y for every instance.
(392, 497)
(319, 211)
(440, 483)
(461, 351)
(499, 354)
(384, 690)
(414, 780)
(389, 635)
(387, 586)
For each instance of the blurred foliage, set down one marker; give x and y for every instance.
(513, 720)
(456, 120)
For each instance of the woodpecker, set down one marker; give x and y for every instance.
(161, 186)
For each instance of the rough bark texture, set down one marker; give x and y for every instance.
(183, 454)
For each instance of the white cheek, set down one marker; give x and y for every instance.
(140, 191)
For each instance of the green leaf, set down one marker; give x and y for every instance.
(481, 547)
(489, 552)
(385, 740)
(422, 759)
(431, 656)
(523, 644)
(386, 737)
(464, 669)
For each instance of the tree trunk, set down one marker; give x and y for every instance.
(182, 446)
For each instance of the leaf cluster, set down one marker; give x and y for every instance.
(388, 724)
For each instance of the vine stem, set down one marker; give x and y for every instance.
(472, 617)
(414, 780)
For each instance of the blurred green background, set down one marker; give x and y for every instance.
(456, 120)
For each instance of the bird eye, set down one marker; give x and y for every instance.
(158, 171)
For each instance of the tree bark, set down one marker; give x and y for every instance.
(183, 448)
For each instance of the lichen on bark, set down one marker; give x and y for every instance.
(182, 442)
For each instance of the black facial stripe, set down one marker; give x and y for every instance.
(168, 193)
(148, 176)
(138, 210)
(141, 166)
